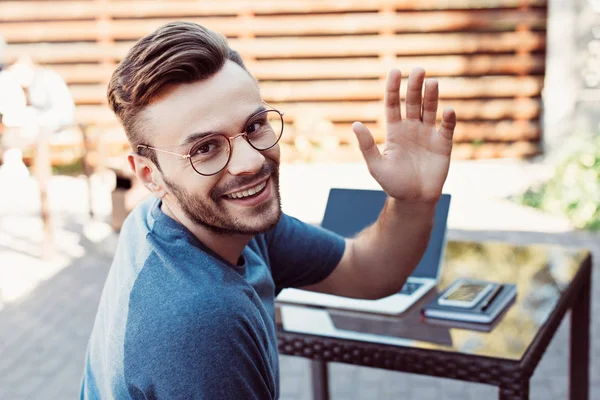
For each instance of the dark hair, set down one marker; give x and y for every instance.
(176, 53)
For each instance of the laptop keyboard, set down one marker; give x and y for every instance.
(410, 287)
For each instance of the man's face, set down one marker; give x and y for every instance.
(220, 104)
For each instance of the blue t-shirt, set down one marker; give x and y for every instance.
(176, 321)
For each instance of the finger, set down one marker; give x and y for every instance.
(392, 96)
(413, 93)
(430, 101)
(366, 142)
(448, 123)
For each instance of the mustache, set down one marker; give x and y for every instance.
(269, 168)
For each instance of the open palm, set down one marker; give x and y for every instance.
(414, 162)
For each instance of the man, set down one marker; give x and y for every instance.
(188, 306)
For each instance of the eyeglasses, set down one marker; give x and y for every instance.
(211, 154)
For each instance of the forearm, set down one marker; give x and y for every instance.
(385, 254)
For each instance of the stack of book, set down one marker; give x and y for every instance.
(483, 307)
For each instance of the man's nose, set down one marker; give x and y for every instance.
(245, 159)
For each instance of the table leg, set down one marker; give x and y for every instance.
(320, 380)
(514, 391)
(579, 379)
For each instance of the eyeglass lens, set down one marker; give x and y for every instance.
(211, 154)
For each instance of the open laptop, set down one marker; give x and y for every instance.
(349, 211)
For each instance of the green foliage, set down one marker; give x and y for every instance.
(574, 188)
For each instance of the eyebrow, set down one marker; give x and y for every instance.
(194, 137)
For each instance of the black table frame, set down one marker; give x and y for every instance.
(510, 376)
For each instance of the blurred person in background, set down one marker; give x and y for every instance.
(187, 310)
(34, 101)
(44, 101)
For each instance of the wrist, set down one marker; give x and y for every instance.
(408, 212)
(405, 206)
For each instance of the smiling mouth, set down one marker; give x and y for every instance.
(248, 193)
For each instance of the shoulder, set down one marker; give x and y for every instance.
(191, 344)
(174, 294)
(168, 319)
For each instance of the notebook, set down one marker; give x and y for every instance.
(476, 314)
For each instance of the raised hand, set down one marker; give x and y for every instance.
(416, 156)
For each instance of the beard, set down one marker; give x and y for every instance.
(213, 214)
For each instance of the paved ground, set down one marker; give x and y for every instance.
(47, 307)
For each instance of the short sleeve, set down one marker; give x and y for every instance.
(301, 254)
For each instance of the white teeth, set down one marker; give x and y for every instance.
(247, 192)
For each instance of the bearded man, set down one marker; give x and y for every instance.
(188, 309)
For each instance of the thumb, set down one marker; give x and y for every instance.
(366, 142)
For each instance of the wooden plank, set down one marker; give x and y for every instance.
(346, 68)
(460, 151)
(497, 86)
(89, 94)
(373, 110)
(520, 149)
(65, 10)
(83, 73)
(408, 44)
(443, 65)
(95, 115)
(404, 44)
(48, 53)
(298, 25)
(500, 131)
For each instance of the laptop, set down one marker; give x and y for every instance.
(368, 327)
(348, 212)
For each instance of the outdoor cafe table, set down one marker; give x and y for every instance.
(550, 281)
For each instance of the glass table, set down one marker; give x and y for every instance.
(550, 281)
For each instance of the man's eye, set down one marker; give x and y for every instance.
(254, 127)
(206, 148)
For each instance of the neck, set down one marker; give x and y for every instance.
(229, 247)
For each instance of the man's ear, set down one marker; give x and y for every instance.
(143, 168)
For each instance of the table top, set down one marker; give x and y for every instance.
(542, 274)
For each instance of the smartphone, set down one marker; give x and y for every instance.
(465, 293)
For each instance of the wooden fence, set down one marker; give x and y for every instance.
(323, 62)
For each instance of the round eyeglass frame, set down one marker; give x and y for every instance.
(188, 156)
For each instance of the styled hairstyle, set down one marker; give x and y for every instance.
(176, 53)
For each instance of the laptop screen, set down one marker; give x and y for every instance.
(349, 211)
